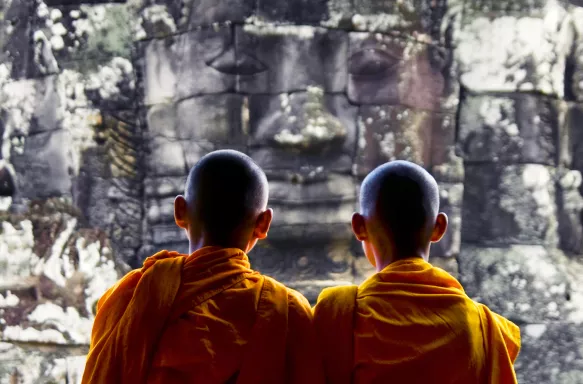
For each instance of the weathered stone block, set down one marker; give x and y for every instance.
(194, 63)
(320, 213)
(520, 128)
(451, 200)
(56, 272)
(15, 29)
(505, 6)
(165, 158)
(418, 17)
(297, 11)
(550, 353)
(300, 165)
(158, 19)
(207, 12)
(391, 70)
(509, 205)
(28, 107)
(43, 167)
(158, 68)
(213, 118)
(322, 202)
(576, 81)
(160, 210)
(27, 364)
(167, 234)
(386, 135)
(527, 284)
(569, 209)
(331, 188)
(80, 37)
(575, 136)
(278, 59)
(399, 133)
(515, 53)
(166, 186)
(203, 56)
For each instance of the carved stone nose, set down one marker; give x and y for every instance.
(306, 124)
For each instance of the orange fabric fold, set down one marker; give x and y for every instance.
(413, 323)
(204, 318)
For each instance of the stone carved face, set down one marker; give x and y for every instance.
(317, 92)
(318, 96)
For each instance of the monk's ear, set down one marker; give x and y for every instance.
(181, 212)
(359, 227)
(262, 224)
(439, 228)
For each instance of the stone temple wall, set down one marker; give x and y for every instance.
(104, 107)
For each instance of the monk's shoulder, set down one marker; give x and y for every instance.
(296, 301)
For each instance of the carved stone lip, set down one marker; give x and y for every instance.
(236, 63)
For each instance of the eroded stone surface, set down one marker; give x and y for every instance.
(528, 284)
(570, 207)
(15, 29)
(383, 69)
(54, 273)
(515, 129)
(29, 365)
(577, 74)
(558, 346)
(418, 17)
(389, 133)
(517, 205)
(79, 36)
(451, 200)
(508, 53)
(207, 12)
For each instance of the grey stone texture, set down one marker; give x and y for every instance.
(516, 203)
(106, 105)
(521, 128)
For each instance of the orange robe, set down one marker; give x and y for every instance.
(413, 323)
(203, 318)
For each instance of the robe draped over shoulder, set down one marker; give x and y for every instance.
(205, 318)
(413, 323)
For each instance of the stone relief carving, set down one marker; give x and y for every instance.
(105, 106)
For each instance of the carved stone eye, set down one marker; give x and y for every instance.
(236, 64)
(371, 62)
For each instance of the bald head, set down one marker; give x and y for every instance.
(225, 191)
(404, 198)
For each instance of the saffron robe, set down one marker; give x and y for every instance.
(203, 318)
(413, 323)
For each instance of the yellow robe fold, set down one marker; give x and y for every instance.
(413, 323)
(203, 318)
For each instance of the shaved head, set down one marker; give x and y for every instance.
(404, 198)
(225, 192)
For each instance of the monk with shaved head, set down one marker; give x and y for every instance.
(410, 322)
(207, 317)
